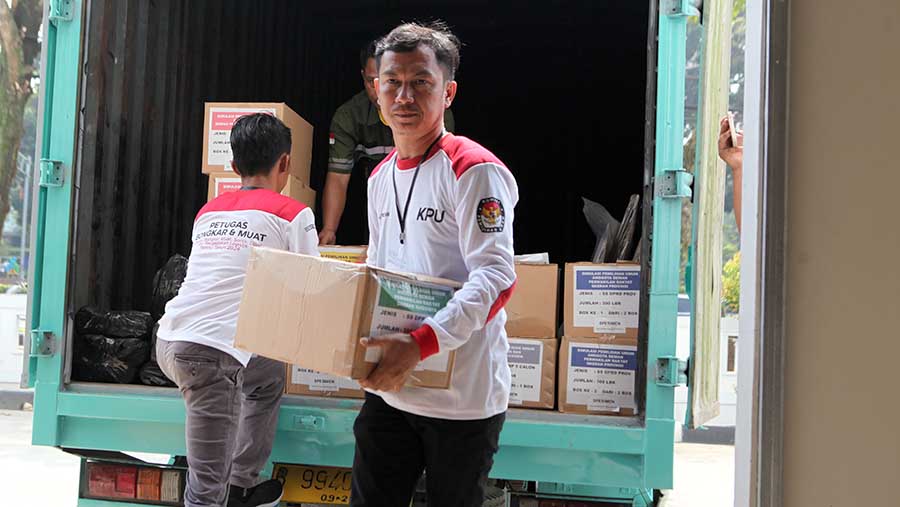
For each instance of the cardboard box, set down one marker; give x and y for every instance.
(602, 300)
(311, 312)
(532, 363)
(221, 183)
(597, 376)
(300, 191)
(220, 117)
(531, 312)
(312, 383)
(355, 254)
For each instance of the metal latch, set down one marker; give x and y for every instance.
(309, 422)
(674, 184)
(51, 173)
(62, 10)
(43, 343)
(671, 371)
(682, 7)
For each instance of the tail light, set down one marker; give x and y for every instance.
(146, 484)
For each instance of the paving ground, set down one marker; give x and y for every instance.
(33, 475)
(47, 477)
(704, 476)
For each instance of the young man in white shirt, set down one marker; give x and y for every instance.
(231, 397)
(439, 205)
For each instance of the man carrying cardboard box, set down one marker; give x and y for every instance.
(439, 205)
(232, 398)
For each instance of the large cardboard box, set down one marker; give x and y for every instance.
(597, 376)
(312, 312)
(312, 383)
(221, 183)
(355, 254)
(220, 117)
(602, 300)
(531, 312)
(532, 363)
(298, 190)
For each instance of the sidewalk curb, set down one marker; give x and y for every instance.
(15, 399)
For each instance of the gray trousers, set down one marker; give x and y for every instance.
(230, 417)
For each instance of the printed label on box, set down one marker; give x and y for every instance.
(607, 299)
(225, 185)
(601, 377)
(321, 381)
(221, 119)
(526, 365)
(355, 255)
(401, 307)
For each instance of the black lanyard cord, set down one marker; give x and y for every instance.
(401, 218)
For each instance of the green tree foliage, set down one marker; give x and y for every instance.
(731, 285)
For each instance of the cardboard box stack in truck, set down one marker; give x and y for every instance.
(220, 117)
(531, 324)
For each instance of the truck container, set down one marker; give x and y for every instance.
(578, 98)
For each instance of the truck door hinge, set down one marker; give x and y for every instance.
(682, 7)
(671, 371)
(674, 184)
(62, 10)
(43, 343)
(51, 173)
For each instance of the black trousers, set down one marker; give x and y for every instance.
(394, 447)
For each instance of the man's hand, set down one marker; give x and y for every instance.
(326, 237)
(731, 154)
(399, 356)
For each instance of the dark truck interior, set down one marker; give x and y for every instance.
(557, 89)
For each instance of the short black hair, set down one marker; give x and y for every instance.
(257, 142)
(367, 51)
(435, 35)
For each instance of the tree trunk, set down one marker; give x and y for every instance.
(19, 24)
(10, 136)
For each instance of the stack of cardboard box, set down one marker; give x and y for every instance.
(531, 315)
(598, 354)
(217, 156)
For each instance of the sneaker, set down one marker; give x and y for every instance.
(264, 494)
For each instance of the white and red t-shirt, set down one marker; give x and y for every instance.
(460, 227)
(205, 311)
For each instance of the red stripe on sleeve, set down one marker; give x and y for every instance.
(427, 340)
(501, 301)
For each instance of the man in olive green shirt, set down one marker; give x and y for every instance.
(359, 139)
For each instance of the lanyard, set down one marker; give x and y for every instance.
(401, 218)
(250, 187)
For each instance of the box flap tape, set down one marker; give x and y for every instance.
(312, 311)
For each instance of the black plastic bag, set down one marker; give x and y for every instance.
(152, 375)
(99, 358)
(605, 229)
(166, 284)
(115, 324)
(625, 237)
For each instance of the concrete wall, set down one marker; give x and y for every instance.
(12, 307)
(842, 397)
(727, 379)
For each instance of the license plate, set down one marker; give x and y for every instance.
(313, 484)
